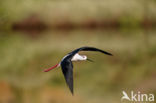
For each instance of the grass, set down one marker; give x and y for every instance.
(127, 13)
(23, 58)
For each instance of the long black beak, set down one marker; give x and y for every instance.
(90, 60)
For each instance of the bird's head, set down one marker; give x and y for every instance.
(85, 58)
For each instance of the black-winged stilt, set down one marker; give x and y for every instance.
(67, 66)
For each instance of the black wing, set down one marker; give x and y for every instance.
(67, 66)
(88, 49)
(67, 69)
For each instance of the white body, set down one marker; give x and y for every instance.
(78, 57)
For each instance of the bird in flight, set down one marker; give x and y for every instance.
(67, 66)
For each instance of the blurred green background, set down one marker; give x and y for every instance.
(36, 34)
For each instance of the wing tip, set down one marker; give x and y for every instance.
(71, 90)
(110, 54)
(72, 94)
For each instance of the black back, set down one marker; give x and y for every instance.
(67, 66)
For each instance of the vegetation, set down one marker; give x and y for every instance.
(79, 13)
(42, 42)
(23, 59)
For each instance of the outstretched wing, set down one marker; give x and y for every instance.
(67, 69)
(67, 66)
(88, 49)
